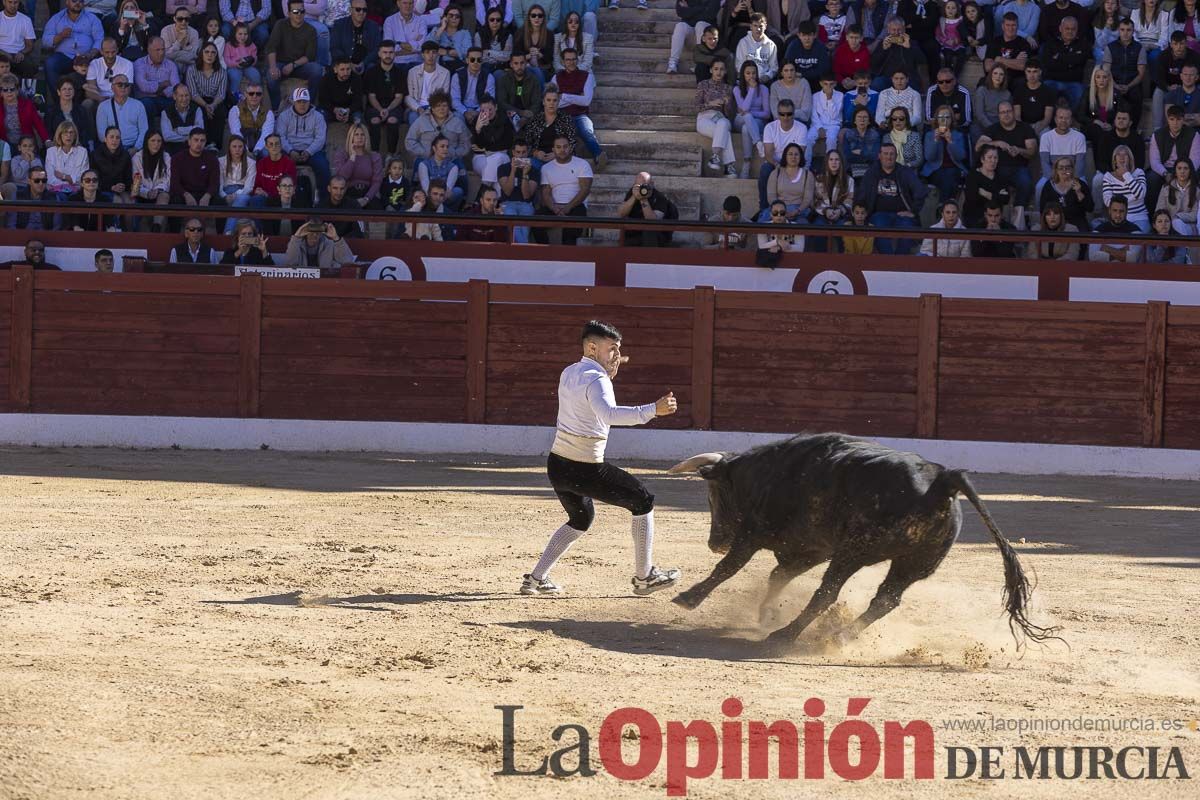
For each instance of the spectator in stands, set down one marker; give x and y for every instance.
(209, 85)
(270, 170)
(709, 50)
(731, 212)
(426, 81)
(69, 33)
(694, 19)
(179, 119)
(65, 109)
(133, 29)
(1033, 100)
(1178, 199)
(1186, 18)
(1010, 49)
(35, 255)
(303, 131)
(244, 12)
(104, 261)
(438, 122)
(317, 244)
(577, 87)
(470, 85)
(772, 245)
(536, 40)
(985, 186)
(182, 40)
(734, 21)
(1068, 192)
(1151, 26)
(863, 96)
(25, 160)
(542, 129)
(851, 57)
(871, 16)
(951, 37)
(1122, 133)
(758, 48)
(337, 199)
(1062, 140)
(495, 38)
(1053, 12)
(394, 192)
(1063, 59)
(80, 219)
(899, 95)
(826, 118)
(811, 58)
(292, 52)
(252, 119)
(19, 114)
(518, 92)
(408, 30)
(247, 245)
(1054, 221)
(238, 173)
(1105, 21)
(895, 53)
(751, 113)
(793, 184)
(893, 196)
(1017, 144)
(155, 77)
(385, 99)
(485, 206)
(714, 101)
(788, 86)
(114, 166)
(1098, 106)
(359, 167)
(102, 70)
(947, 248)
(152, 176)
(831, 25)
(1186, 94)
(286, 197)
(920, 23)
(833, 193)
(947, 158)
(988, 97)
(1163, 253)
(778, 135)
(356, 38)
(947, 92)
(491, 139)
(858, 245)
(1168, 74)
(1125, 59)
(584, 9)
(196, 173)
(1129, 182)
(860, 144)
(1116, 224)
(17, 39)
(977, 28)
(1169, 144)
(993, 220)
(910, 150)
(452, 39)
(194, 249)
(645, 202)
(123, 113)
(439, 165)
(519, 181)
(66, 160)
(566, 183)
(1027, 13)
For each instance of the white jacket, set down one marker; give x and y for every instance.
(763, 53)
(587, 407)
(950, 248)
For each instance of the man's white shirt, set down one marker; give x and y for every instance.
(587, 408)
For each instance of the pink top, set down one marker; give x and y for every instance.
(235, 54)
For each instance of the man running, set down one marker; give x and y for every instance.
(586, 408)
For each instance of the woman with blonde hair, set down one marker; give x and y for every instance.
(362, 169)
(66, 160)
(1098, 106)
(1127, 180)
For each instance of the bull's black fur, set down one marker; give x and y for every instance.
(851, 502)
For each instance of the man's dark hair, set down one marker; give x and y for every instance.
(102, 253)
(808, 26)
(594, 328)
(1118, 199)
(198, 132)
(1033, 61)
(387, 43)
(1010, 17)
(1175, 111)
(992, 205)
(438, 183)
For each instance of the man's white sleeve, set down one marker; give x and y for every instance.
(603, 401)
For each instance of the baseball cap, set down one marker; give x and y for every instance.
(300, 94)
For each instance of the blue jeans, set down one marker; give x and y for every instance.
(237, 201)
(57, 65)
(323, 57)
(946, 180)
(320, 165)
(309, 72)
(1073, 91)
(514, 208)
(890, 219)
(587, 132)
(235, 78)
(154, 107)
(764, 177)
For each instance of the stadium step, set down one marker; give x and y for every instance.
(617, 25)
(682, 163)
(685, 81)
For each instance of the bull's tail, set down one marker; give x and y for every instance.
(1017, 588)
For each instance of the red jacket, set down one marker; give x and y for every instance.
(269, 173)
(846, 63)
(31, 120)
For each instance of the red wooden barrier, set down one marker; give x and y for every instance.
(1086, 373)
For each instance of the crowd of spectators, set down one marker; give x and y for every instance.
(857, 115)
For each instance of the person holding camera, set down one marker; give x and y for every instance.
(249, 246)
(645, 201)
(317, 244)
(518, 181)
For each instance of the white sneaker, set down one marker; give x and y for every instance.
(531, 585)
(672, 67)
(614, 5)
(714, 163)
(731, 171)
(642, 6)
(758, 147)
(657, 579)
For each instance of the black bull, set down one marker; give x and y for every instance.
(848, 501)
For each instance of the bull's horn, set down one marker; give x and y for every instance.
(696, 462)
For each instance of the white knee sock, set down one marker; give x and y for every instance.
(643, 544)
(559, 544)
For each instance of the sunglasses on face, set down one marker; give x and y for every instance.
(945, 81)
(90, 180)
(37, 180)
(194, 229)
(474, 60)
(8, 89)
(537, 16)
(778, 213)
(786, 114)
(253, 94)
(297, 11)
(184, 18)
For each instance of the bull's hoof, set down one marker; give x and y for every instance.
(778, 643)
(687, 600)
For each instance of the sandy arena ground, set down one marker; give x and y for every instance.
(267, 625)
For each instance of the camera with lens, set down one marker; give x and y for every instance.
(643, 190)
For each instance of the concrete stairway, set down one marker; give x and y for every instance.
(646, 119)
